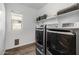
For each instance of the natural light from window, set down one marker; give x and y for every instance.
(16, 21)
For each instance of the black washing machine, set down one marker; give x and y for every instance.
(60, 41)
(40, 39)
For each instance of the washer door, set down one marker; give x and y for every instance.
(61, 43)
(39, 37)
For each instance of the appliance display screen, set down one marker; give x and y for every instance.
(68, 25)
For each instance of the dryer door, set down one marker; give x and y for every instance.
(61, 42)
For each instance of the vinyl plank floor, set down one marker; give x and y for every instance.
(30, 50)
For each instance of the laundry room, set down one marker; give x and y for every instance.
(39, 28)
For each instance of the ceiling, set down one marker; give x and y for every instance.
(31, 5)
(35, 5)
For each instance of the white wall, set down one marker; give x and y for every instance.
(27, 34)
(51, 8)
(2, 28)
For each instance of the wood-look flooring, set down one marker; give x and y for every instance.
(25, 50)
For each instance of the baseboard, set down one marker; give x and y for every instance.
(21, 47)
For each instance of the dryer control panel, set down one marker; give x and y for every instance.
(70, 25)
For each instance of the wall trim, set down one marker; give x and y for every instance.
(20, 47)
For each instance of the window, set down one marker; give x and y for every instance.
(16, 21)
